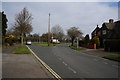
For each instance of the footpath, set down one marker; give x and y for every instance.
(99, 52)
(22, 66)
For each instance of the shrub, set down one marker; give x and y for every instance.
(97, 41)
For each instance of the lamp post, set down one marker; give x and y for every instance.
(49, 30)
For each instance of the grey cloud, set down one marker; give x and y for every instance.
(85, 15)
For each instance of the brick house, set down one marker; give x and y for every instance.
(104, 31)
(95, 32)
(112, 42)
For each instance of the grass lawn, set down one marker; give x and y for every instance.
(115, 58)
(35, 42)
(45, 44)
(21, 50)
(75, 48)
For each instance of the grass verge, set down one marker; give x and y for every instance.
(45, 44)
(21, 50)
(75, 48)
(115, 58)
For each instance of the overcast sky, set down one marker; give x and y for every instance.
(85, 15)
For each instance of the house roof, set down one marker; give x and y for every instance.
(115, 32)
(118, 22)
(110, 26)
(96, 29)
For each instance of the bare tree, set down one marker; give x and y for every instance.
(44, 37)
(57, 32)
(73, 32)
(22, 23)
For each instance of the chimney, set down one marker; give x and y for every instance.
(111, 21)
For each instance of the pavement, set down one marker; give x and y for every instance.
(99, 52)
(22, 66)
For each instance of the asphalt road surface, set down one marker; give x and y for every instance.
(69, 63)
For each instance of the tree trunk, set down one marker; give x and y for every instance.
(72, 42)
(22, 39)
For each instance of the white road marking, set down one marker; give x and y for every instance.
(105, 62)
(95, 59)
(72, 70)
(105, 59)
(64, 63)
(115, 66)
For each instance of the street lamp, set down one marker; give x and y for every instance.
(49, 30)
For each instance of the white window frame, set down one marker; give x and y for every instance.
(104, 32)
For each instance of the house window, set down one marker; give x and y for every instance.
(104, 32)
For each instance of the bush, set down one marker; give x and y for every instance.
(86, 44)
(11, 40)
(97, 41)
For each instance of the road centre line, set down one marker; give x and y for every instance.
(105, 62)
(105, 59)
(72, 70)
(64, 63)
(115, 66)
(95, 59)
(46, 66)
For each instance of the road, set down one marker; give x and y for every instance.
(69, 63)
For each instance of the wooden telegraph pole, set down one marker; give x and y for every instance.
(49, 30)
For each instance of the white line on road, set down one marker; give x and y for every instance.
(64, 63)
(105, 62)
(115, 66)
(105, 59)
(72, 70)
(95, 59)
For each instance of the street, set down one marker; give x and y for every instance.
(69, 63)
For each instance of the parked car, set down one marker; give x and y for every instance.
(28, 42)
(55, 41)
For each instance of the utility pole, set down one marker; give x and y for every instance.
(49, 30)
